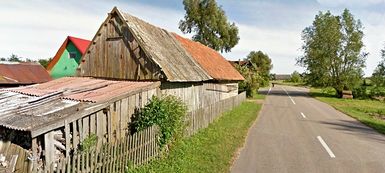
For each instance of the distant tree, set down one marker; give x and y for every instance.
(3, 59)
(332, 51)
(14, 58)
(44, 62)
(261, 63)
(378, 76)
(209, 24)
(295, 77)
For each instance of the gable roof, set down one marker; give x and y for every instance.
(161, 47)
(210, 60)
(23, 73)
(80, 44)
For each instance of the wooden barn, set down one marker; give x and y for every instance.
(128, 48)
(14, 74)
(67, 59)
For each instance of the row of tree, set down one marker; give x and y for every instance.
(15, 58)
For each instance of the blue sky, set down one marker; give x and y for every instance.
(36, 28)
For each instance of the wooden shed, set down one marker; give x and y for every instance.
(129, 48)
(51, 120)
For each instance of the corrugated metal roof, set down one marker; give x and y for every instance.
(82, 89)
(35, 106)
(165, 50)
(80, 44)
(23, 73)
(23, 112)
(210, 60)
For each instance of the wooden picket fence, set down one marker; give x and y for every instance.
(138, 148)
(117, 156)
(201, 118)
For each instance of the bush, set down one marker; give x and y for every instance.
(168, 112)
(360, 92)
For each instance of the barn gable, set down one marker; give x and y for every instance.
(126, 47)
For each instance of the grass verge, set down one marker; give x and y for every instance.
(212, 149)
(369, 112)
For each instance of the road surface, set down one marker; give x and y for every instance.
(296, 133)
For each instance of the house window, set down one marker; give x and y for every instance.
(72, 54)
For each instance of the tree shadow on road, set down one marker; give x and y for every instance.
(355, 127)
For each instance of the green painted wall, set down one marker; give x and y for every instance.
(66, 66)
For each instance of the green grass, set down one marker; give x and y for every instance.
(213, 148)
(369, 112)
(259, 96)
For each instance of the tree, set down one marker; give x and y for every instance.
(251, 82)
(261, 63)
(14, 58)
(378, 76)
(44, 62)
(332, 51)
(209, 23)
(295, 77)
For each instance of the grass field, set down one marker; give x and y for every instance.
(212, 149)
(369, 112)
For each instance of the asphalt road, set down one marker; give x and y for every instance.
(296, 133)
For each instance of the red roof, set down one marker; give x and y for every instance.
(210, 60)
(23, 73)
(84, 89)
(80, 44)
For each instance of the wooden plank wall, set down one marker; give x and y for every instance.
(114, 53)
(15, 156)
(200, 95)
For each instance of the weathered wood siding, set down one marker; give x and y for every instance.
(114, 53)
(198, 95)
(109, 124)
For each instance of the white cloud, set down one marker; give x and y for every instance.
(360, 3)
(282, 46)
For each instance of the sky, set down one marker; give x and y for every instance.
(35, 29)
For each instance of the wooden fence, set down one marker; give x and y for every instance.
(201, 118)
(133, 150)
(138, 148)
(16, 159)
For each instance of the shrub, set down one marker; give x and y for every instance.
(88, 142)
(168, 112)
(360, 92)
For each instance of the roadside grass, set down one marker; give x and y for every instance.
(259, 96)
(367, 111)
(212, 149)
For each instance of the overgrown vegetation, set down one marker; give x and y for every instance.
(295, 77)
(369, 112)
(211, 149)
(333, 54)
(168, 112)
(89, 142)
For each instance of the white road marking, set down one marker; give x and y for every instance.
(269, 91)
(288, 95)
(323, 143)
(303, 115)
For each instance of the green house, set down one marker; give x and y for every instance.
(68, 57)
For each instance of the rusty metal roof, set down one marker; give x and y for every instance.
(23, 73)
(161, 46)
(82, 89)
(210, 60)
(34, 106)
